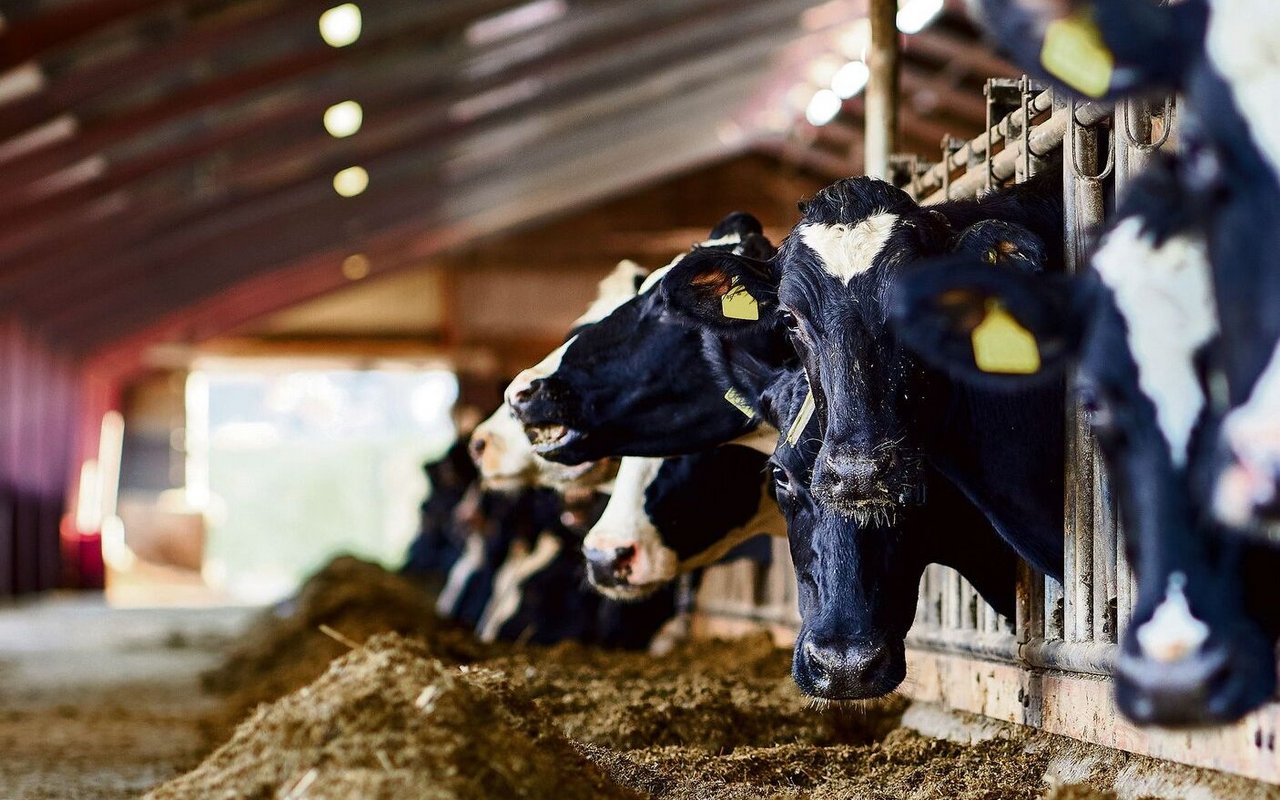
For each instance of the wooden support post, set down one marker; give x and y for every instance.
(882, 89)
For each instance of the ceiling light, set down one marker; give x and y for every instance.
(351, 181)
(915, 15)
(356, 266)
(340, 25)
(822, 108)
(343, 119)
(850, 79)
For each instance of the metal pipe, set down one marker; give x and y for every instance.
(1044, 138)
(882, 89)
(976, 149)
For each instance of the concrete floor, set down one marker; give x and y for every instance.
(97, 702)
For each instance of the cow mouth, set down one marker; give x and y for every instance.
(549, 439)
(873, 513)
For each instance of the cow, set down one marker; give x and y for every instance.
(668, 517)
(639, 384)
(434, 549)
(501, 450)
(521, 579)
(884, 415)
(1141, 328)
(1219, 56)
(858, 582)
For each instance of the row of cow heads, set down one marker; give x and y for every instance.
(719, 361)
(1140, 329)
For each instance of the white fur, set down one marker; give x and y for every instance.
(471, 559)
(508, 584)
(624, 523)
(509, 461)
(613, 290)
(1173, 632)
(1252, 433)
(847, 251)
(1243, 44)
(1165, 295)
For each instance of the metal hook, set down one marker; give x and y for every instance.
(1166, 126)
(1073, 126)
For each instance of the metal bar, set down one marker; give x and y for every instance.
(1095, 658)
(882, 88)
(1044, 138)
(997, 647)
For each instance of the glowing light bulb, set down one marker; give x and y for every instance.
(340, 25)
(916, 15)
(343, 119)
(351, 181)
(850, 79)
(823, 108)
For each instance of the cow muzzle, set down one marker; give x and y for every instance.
(871, 489)
(629, 570)
(847, 668)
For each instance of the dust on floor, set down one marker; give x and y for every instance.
(101, 703)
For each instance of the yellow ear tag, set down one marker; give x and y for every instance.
(739, 402)
(801, 420)
(1074, 51)
(1002, 345)
(737, 303)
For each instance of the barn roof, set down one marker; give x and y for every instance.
(160, 155)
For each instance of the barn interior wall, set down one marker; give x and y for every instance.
(40, 394)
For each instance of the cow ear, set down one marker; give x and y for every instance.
(739, 224)
(720, 290)
(988, 325)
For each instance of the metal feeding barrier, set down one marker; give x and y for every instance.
(1049, 667)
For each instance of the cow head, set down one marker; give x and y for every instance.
(507, 461)
(637, 382)
(670, 516)
(858, 584)
(1138, 327)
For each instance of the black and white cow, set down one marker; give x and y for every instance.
(858, 583)
(884, 416)
(668, 517)
(1219, 55)
(499, 446)
(435, 547)
(521, 579)
(640, 383)
(1142, 329)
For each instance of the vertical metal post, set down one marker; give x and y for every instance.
(1084, 187)
(882, 89)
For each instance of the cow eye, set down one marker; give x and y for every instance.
(782, 481)
(788, 319)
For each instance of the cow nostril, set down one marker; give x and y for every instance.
(478, 445)
(623, 555)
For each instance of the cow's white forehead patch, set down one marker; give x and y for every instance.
(1165, 295)
(1243, 41)
(1173, 632)
(849, 250)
